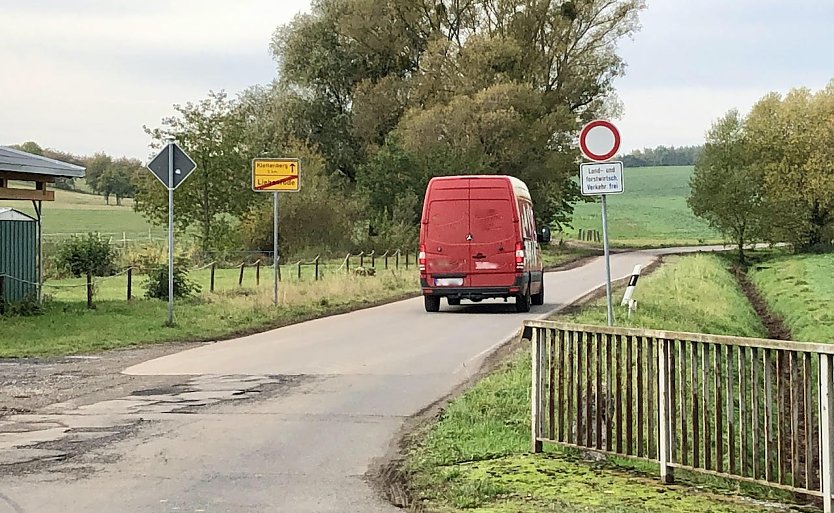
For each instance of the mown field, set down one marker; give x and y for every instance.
(75, 212)
(651, 212)
(476, 457)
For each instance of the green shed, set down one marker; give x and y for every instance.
(18, 255)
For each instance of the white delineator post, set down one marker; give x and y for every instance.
(632, 284)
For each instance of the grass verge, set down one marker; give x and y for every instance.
(475, 457)
(800, 289)
(68, 327)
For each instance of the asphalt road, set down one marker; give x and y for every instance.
(306, 446)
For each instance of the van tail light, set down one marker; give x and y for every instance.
(519, 256)
(421, 258)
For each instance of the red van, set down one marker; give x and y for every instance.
(478, 240)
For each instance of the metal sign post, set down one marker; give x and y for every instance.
(276, 175)
(600, 141)
(171, 166)
(170, 321)
(275, 249)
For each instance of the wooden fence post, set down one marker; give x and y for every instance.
(664, 413)
(316, 262)
(535, 394)
(347, 263)
(581, 235)
(129, 283)
(361, 259)
(826, 431)
(386, 260)
(406, 259)
(373, 259)
(258, 273)
(299, 270)
(89, 289)
(213, 270)
(240, 279)
(397, 260)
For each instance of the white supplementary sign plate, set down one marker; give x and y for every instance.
(605, 178)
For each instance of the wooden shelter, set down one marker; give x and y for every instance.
(19, 171)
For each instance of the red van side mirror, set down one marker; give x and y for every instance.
(544, 235)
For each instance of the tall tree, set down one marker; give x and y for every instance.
(791, 140)
(362, 70)
(726, 187)
(212, 131)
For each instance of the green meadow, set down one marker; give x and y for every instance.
(651, 212)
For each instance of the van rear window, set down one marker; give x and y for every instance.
(448, 221)
(492, 221)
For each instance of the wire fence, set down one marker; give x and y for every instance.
(215, 276)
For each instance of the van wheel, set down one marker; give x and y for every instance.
(538, 299)
(453, 301)
(522, 302)
(432, 303)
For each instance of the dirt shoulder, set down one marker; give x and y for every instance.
(29, 384)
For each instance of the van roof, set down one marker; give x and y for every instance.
(519, 187)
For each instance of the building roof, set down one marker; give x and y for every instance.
(10, 214)
(17, 161)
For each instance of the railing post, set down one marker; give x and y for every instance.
(129, 283)
(664, 413)
(826, 433)
(535, 394)
(213, 270)
(373, 259)
(316, 261)
(89, 290)
(386, 260)
(299, 270)
(258, 273)
(406, 259)
(361, 259)
(240, 279)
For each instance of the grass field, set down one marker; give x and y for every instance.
(75, 212)
(651, 212)
(475, 458)
(800, 289)
(68, 327)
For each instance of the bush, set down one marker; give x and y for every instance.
(27, 307)
(157, 284)
(90, 253)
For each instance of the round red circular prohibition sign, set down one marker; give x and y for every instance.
(599, 140)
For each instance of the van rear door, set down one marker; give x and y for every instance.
(494, 232)
(447, 229)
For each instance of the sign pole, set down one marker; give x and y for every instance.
(170, 235)
(607, 259)
(275, 249)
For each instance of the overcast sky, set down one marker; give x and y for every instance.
(85, 75)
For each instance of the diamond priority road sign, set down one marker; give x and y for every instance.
(183, 165)
(276, 175)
